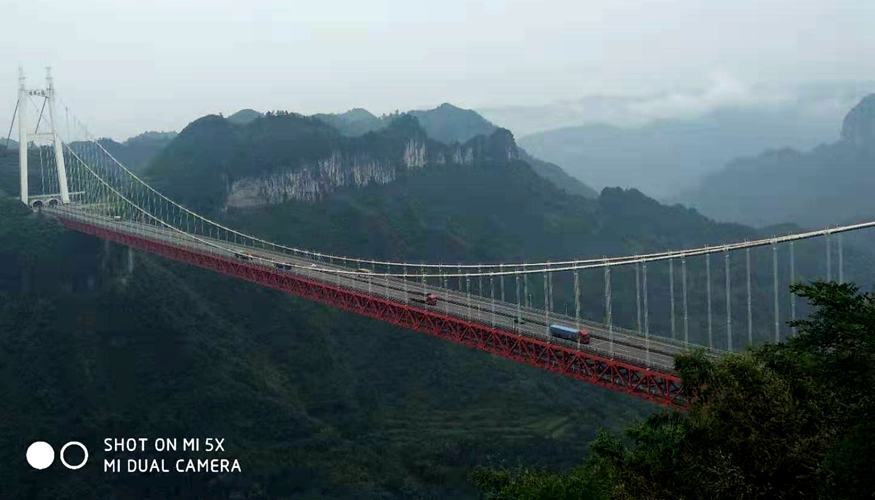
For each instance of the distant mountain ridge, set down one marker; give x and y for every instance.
(666, 157)
(245, 116)
(830, 184)
(354, 122)
(450, 124)
(136, 153)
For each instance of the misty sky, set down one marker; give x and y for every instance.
(125, 66)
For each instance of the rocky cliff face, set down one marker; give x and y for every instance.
(859, 125)
(355, 167)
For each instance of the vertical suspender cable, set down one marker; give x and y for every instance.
(518, 300)
(501, 277)
(646, 306)
(792, 281)
(674, 333)
(608, 312)
(684, 290)
(492, 296)
(728, 305)
(828, 258)
(646, 318)
(775, 287)
(638, 295)
(528, 300)
(708, 294)
(446, 294)
(577, 298)
(550, 281)
(546, 304)
(468, 293)
(749, 306)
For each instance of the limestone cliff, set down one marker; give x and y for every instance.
(313, 180)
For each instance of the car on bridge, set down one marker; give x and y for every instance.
(572, 334)
(430, 300)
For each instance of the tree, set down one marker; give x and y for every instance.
(790, 420)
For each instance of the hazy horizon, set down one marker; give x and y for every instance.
(128, 67)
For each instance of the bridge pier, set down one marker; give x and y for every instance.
(130, 261)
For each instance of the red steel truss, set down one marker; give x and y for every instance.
(638, 381)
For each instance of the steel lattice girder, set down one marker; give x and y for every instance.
(659, 387)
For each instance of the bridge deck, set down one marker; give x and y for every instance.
(620, 361)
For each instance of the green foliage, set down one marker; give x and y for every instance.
(244, 116)
(524, 484)
(446, 123)
(449, 124)
(314, 402)
(791, 420)
(354, 122)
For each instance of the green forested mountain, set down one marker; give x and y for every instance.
(788, 420)
(354, 122)
(244, 116)
(449, 124)
(559, 177)
(137, 152)
(285, 156)
(312, 401)
(491, 208)
(830, 184)
(445, 123)
(316, 402)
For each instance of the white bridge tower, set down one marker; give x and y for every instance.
(23, 135)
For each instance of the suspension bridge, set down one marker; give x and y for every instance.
(487, 306)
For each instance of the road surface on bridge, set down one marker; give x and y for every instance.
(472, 307)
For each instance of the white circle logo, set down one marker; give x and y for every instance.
(84, 459)
(40, 455)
